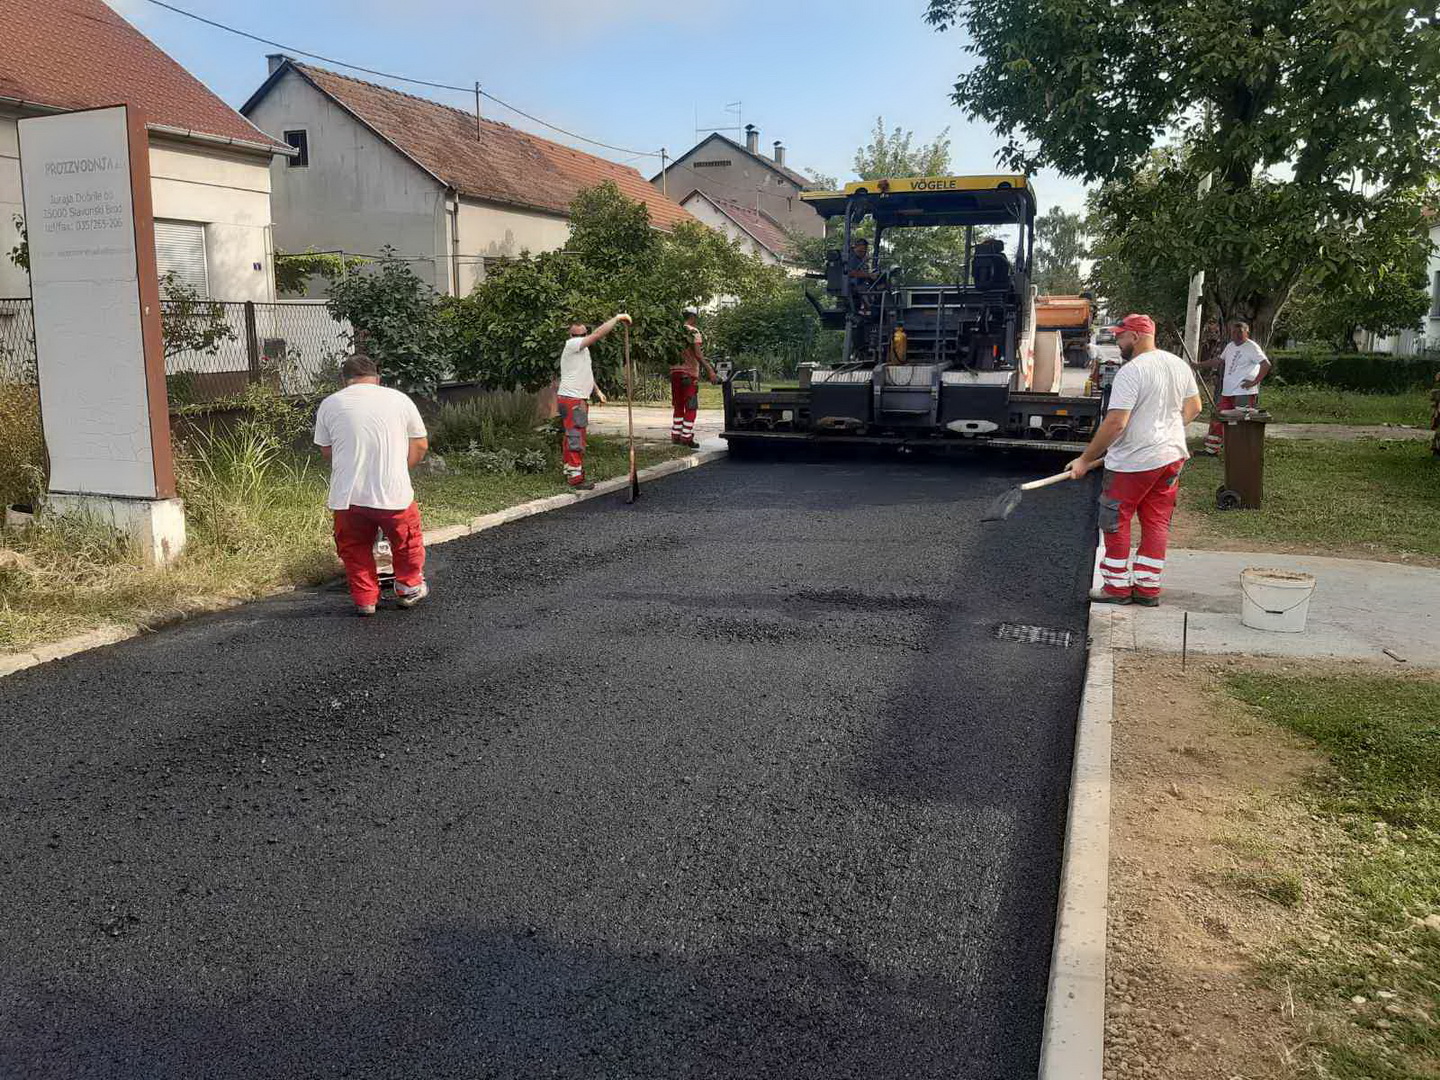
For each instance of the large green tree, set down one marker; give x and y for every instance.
(1059, 249)
(924, 254)
(1316, 119)
(512, 326)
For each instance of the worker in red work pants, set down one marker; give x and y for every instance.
(1150, 496)
(572, 400)
(373, 436)
(355, 529)
(685, 383)
(1142, 443)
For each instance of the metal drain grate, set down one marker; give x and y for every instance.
(1036, 635)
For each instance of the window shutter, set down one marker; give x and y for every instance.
(180, 249)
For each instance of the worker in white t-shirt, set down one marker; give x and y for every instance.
(572, 399)
(1244, 366)
(373, 436)
(1142, 442)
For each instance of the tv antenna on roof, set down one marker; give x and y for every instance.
(734, 108)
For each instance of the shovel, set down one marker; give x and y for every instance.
(630, 417)
(1006, 502)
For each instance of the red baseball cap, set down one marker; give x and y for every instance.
(1139, 324)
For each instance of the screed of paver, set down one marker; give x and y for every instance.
(737, 782)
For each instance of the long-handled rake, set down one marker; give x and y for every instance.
(630, 416)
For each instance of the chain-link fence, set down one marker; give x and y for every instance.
(17, 342)
(215, 348)
(293, 346)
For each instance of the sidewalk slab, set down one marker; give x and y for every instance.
(1359, 610)
(651, 422)
(1338, 432)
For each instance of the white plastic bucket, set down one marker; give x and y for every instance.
(1276, 600)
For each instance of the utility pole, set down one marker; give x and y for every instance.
(1192, 303)
(477, 110)
(664, 175)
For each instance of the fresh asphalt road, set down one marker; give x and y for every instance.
(738, 782)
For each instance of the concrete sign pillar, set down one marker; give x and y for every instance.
(86, 181)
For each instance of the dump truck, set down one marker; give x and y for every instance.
(1071, 317)
(941, 364)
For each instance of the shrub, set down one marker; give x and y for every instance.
(22, 446)
(488, 422)
(1369, 372)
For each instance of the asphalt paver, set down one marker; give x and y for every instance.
(737, 782)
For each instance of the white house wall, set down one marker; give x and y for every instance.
(13, 280)
(706, 212)
(489, 232)
(228, 193)
(358, 194)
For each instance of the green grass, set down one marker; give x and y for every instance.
(1381, 796)
(1375, 497)
(1327, 405)
(256, 520)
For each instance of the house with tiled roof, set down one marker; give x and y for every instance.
(725, 170)
(444, 188)
(209, 166)
(757, 233)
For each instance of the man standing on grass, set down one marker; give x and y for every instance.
(373, 436)
(1142, 441)
(685, 383)
(572, 399)
(1245, 366)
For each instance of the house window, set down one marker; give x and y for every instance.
(300, 140)
(712, 165)
(1435, 297)
(180, 250)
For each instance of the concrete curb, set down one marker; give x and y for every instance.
(1073, 1046)
(10, 663)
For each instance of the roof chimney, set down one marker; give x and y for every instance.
(752, 138)
(275, 60)
(779, 152)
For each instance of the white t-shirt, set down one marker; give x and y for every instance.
(1153, 386)
(577, 380)
(1242, 362)
(368, 429)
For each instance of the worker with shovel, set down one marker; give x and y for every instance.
(572, 399)
(1142, 442)
(685, 383)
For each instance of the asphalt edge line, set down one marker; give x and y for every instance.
(1073, 1044)
(114, 633)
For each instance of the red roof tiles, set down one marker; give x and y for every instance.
(762, 227)
(78, 54)
(500, 163)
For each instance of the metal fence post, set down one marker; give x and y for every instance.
(252, 341)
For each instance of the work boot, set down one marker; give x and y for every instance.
(1100, 596)
(691, 443)
(588, 485)
(408, 597)
(364, 610)
(1143, 600)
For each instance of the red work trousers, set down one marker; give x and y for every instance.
(575, 416)
(1215, 438)
(355, 541)
(685, 397)
(1151, 495)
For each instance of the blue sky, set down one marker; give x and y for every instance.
(634, 73)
